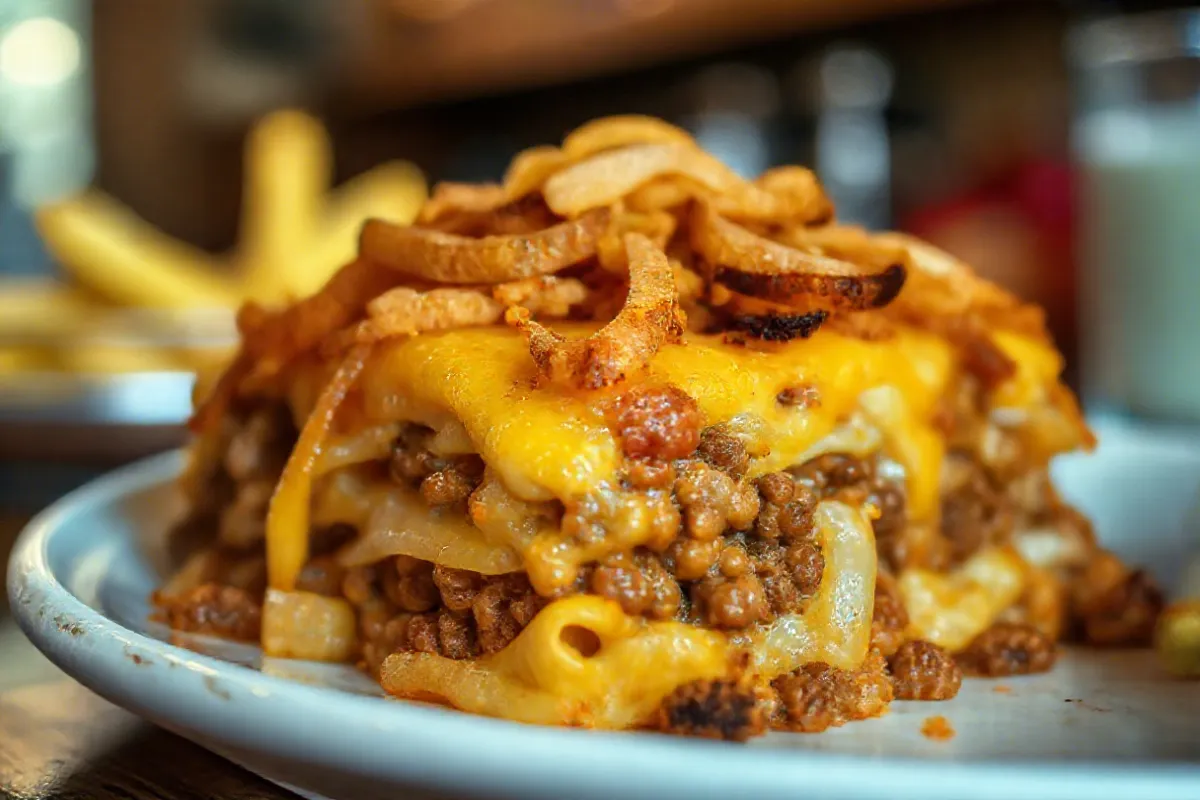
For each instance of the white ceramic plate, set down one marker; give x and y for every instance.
(1101, 725)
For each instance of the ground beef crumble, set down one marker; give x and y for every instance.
(921, 670)
(217, 611)
(409, 605)
(1113, 605)
(976, 513)
(1008, 649)
(724, 451)
(817, 696)
(858, 480)
(639, 583)
(889, 620)
(656, 422)
(720, 709)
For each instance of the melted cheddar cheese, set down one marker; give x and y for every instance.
(475, 387)
(549, 444)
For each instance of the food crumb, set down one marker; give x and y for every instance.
(1002, 689)
(937, 728)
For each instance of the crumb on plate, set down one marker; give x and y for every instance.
(937, 728)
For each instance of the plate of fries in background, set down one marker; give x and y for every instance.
(120, 339)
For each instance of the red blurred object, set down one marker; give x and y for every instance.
(1017, 230)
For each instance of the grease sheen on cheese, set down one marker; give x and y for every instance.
(549, 443)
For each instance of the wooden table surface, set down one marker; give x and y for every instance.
(60, 741)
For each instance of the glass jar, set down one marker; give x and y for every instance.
(1137, 142)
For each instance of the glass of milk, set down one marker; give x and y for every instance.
(1137, 142)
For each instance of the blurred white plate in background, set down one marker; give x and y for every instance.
(1103, 724)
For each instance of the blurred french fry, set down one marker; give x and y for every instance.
(98, 358)
(295, 233)
(38, 309)
(108, 248)
(288, 163)
(393, 191)
(17, 358)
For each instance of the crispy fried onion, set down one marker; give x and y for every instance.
(789, 194)
(607, 177)
(456, 198)
(784, 194)
(650, 317)
(607, 133)
(405, 311)
(273, 339)
(530, 168)
(658, 226)
(742, 316)
(752, 265)
(447, 258)
(942, 290)
(777, 327)
(659, 164)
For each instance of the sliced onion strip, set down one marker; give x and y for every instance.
(405, 311)
(456, 198)
(288, 516)
(530, 169)
(607, 177)
(650, 317)
(272, 340)
(756, 266)
(784, 194)
(621, 130)
(446, 258)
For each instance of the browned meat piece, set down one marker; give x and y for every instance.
(1007, 649)
(639, 583)
(1115, 606)
(443, 633)
(730, 603)
(723, 451)
(818, 696)
(975, 513)
(452, 484)
(656, 422)
(923, 671)
(409, 584)
(457, 587)
(217, 611)
(890, 616)
(891, 526)
(502, 609)
(411, 462)
(777, 487)
(716, 710)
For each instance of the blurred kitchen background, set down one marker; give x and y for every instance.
(1054, 145)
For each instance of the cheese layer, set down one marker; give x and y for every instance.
(547, 443)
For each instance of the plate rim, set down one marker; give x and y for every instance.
(110, 659)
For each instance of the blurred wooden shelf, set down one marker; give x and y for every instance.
(404, 53)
